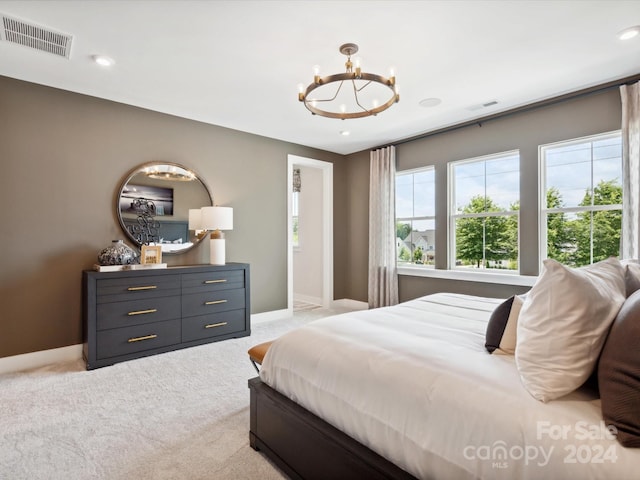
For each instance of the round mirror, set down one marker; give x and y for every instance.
(153, 206)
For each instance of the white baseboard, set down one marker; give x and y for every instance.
(42, 358)
(307, 299)
(27, 361)
(351, 304)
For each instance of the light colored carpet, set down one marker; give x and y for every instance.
(179, 415)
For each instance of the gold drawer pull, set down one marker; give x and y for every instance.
(139, 339)
(215, 302)
(216, 281)
(147, 287)
(213, 325)
(142, 312)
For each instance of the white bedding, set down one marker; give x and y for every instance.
(414, 383)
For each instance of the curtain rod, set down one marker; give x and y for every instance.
(532, 106)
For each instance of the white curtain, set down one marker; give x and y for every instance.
(383, 273)
(630, 170)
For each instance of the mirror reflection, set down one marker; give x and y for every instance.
(154, 202)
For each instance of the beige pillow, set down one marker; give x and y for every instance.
(563, 324)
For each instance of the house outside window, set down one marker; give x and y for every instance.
(415, 217)
(581, 199)
(484, 207)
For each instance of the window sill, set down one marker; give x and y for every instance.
(482, 277)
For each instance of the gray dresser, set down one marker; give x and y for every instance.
(132, 314)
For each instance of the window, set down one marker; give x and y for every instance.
(484, 212)
(415, 217)
(295, 218)
(581, 199)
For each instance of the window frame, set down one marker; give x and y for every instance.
(452, 215)
(543, 211)
(413, 171)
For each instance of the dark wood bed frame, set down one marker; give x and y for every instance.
(306, 447)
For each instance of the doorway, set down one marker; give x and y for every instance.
(310, 255)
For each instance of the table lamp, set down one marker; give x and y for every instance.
(195, 222)
(215, 219)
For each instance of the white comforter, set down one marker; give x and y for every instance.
(414, 383)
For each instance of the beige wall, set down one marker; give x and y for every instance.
(63, 158)
(525, 131)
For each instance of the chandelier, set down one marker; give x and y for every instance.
(169, 172)
(361, 97)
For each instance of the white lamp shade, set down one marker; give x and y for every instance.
(217, 218)
(195, 219)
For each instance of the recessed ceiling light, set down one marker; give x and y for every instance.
(430, 102)
(629, 33)
(345, 133)
(103, 60)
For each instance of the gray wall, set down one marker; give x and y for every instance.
(525, 131)
(63, 156)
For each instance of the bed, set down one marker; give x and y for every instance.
(410, 391)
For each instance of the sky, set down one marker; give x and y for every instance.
(568, 167)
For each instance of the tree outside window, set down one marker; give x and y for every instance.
(415, 217)
(581, 221)
(485, 194)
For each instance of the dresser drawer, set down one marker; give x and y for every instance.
(136, 312)
(134, 288)
(205, 326)
(212, 302)
(121, 341)
(212, 281)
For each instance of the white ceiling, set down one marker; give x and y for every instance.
(238, 63)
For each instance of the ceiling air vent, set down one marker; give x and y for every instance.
(35, 36)
(482, 105)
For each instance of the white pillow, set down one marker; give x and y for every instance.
(563, 324)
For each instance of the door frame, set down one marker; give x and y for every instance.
(327, 227)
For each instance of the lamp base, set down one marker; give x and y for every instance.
(217, 251)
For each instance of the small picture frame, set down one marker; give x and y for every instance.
(150, 255)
